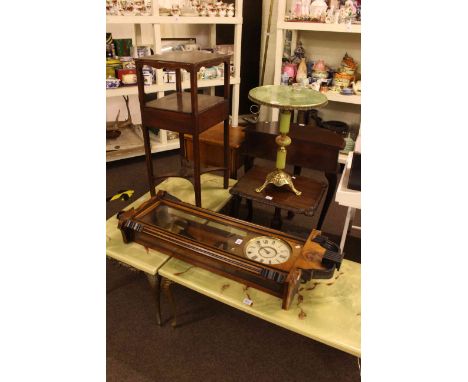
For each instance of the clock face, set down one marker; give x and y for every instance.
(267, 250)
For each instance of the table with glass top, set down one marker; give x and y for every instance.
(286, 98)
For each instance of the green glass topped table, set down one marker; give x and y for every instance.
(286, 98)
(328, 311)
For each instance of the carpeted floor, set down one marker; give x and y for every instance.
(214, 342)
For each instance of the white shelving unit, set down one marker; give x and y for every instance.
(161, 143)
(307, 27)
(318, 27)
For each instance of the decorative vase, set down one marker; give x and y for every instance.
(301, 71)
(317, 8)
(290, 69)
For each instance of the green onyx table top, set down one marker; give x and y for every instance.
(214, 197)
(288, 97)
(328, 311)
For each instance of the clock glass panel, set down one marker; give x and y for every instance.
(237, 241)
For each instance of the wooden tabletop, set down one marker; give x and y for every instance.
(182, 102)
(282, 197)
(194, 58)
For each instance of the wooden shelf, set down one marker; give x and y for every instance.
(172, 20)
(319, 27)
(131, 145)
(336, 97)
(131, 90)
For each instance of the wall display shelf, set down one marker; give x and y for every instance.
(336, 97)
(133, 90)
(297, 28)
(319, 27)
(160, 87)
(172, 20)
(130, 144)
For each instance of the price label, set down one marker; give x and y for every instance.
(248, 301)
(238, 241)
(269, 197)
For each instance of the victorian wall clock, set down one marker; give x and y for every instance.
(263, 258)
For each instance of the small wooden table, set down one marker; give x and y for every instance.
(280, 198)
(212, 149)
(313, 147)
(185, 112)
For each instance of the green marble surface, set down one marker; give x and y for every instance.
(214, 197)
(288, 97)
(328, 311)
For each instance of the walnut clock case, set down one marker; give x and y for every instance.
(266, 259)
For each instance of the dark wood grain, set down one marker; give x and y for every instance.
(185, 112)
(311, 147)
(205, 246)
(282, 198)
(212, 147)
(184, 60)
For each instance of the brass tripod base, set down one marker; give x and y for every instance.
(279, 178)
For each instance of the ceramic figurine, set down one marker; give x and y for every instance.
(319, 66)
(299, 53)
(316, 85)
(301, 71)
(175, 10)
(112, 83)
(317, 8)
(222, 12)
(357, 87)
(290, 69)
(297, 9)
(230, 10)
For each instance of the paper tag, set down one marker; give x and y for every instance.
(239, 241)
(269, 197)
(247, 301)
(293, 177)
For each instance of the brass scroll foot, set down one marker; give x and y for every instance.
(279, 178)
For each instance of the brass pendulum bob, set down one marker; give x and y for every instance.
(279, 177)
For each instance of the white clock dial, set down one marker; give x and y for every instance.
(267, 250)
